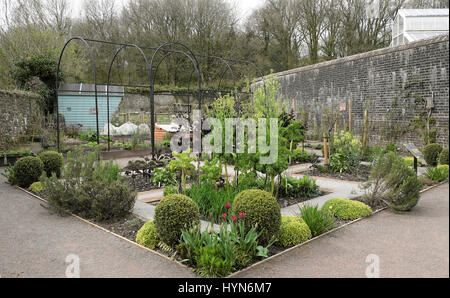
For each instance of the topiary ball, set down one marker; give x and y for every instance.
(443, 157)
(431, 153)
(36, 187)
(293, 231)
(173, 214)
(260, 208)
(53, 162)
(444, 169)
(27, 170)
(147, 235)
(347, 209)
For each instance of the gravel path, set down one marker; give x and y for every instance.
(35, 243)
(414, 244)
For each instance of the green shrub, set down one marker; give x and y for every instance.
(349, 146)
(392, 181)
(211, 263)
(261, 209)
(114, 200)
(318, 220)
(89, 187)
(339, 163)
(27, 170)
(443, 157)
(440, 173)
(431, 153)
(347, 209)
(147, 235)
(36, 187)
(173, 214)
(304, 187)
(293, 231)
(301, 156)
(53, 162)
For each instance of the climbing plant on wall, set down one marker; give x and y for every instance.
(42, 67)
(408, 110)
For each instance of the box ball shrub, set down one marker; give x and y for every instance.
(261, 209)
(347, 209)
(53, 162)
(173, 214)
(443, 157)
(27, 170)
(36, 187)
(431, 153)
(293, 231)
(147, 235)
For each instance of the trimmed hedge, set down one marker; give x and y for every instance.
(347, 209)
(443, 157)
(260, 209)
(53, 162)
(173, 214)
(293, 231)
(27, 170)
(431, 153)
(147, 235)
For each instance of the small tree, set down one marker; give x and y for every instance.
(182, 163)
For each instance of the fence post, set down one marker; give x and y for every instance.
(325, 148)
(365, 127)
(350, 115)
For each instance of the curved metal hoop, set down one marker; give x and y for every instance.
(57, 86)
(194, 61)
(109, 78)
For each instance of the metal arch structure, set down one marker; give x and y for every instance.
(94, 67)
(195, 64)
(109, 78)
(227, 66)
(152, 74)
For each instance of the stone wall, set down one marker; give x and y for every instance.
(393, 84)
(18, 110)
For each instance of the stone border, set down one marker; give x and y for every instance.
(232, 275)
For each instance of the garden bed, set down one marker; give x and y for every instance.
(360, 175)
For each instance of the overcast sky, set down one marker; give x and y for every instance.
(244, 7)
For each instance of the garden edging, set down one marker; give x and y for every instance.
(240, 271)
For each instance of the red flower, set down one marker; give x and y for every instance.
(234, 218)
(241, 215)
(224, 215)
(228, 205)
(210, 214)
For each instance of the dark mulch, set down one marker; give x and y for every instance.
(126, 227)
(360, 175)
(140, 183)
(286, 202)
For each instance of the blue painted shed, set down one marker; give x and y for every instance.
(76, 102)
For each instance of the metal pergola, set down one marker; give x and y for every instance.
(152, 67)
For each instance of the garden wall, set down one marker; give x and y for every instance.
(18, 110)
(393, 84)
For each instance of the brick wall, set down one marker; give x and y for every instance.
(392, 83)
(17, 110)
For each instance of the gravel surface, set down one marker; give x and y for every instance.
(413, 244)
(35, 243)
